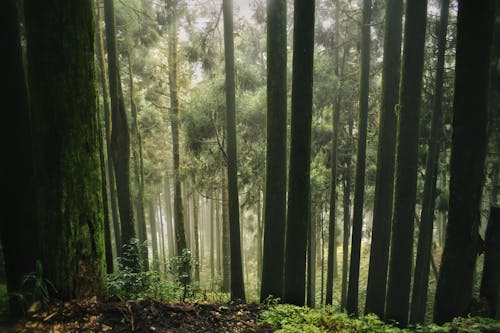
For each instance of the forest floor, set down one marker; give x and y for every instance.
(143, 316)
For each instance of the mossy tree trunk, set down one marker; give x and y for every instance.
(275, 195)
(60, 54)
(359, 190)
(422, 266)
(300, 154)
(120, 146)
(18, 235)
(382, 211)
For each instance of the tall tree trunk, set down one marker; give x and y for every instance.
(139, 173)
(382, 210)
(346, 230)
(237, 286)
(18, 235)
(180, 234)
(275, 196)
(422, 266)
(154, 236)
(469, 140)
(300, 153)
(120, 144)
(212, 237)
(170, 227)
(359, 190)
(260, 233)
(398, 289)
(162, 238)
(104, 143)
(60, 54)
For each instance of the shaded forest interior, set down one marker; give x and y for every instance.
(251, 166)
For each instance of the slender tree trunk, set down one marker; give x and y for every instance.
(421, 277)
(311, 265)
(260, 233)
(226, 254)
(300, 153)
(382, 211)
(162, 238)
(237, 286)
(66, 145)
(139, 174)
(212, 239)
(170, 223)
(154, 236)
(196, 202)
(120, 144)
(180, 233)
(357, 221)
(18, 235)
(275, 196)
(347, 228)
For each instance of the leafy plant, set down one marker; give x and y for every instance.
(36, 288)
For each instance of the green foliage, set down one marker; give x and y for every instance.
(35, 288)
(291, 318)
(180, 267)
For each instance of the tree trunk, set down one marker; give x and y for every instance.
(196, 202)
(275, 196)
(162, 238)
(421, 277)
(359, 190)
(180, 234)
(120, 145)
(300, 154)
(170, 223)
(490, 283)
(346, 212)
(18, 235)
(382, 211)
(60, 55)
(226, 254)
(237, 286)
(469, 141)
(139, 174)
(154, 236)
(311, 265)
(398, 289)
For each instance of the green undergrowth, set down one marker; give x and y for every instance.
(290, 318)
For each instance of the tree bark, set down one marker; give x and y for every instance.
(60, 56)
(359, 190)
(154, 236)
(400, 266)
(237, 286)
(469, 141)
(421, 277)
(300, 154)
(275, 195)
(382, 210)
(120, 145)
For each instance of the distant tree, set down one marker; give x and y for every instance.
(154, 236)
(405, 187)
(275, 195)
(422, 266)
(357, 220)
(60, 56)
(334, 174)
(300, 154)
(180, 234)
(120, 144)
(18, 235)
(384, 183)
(469, 142)
(237, 286)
